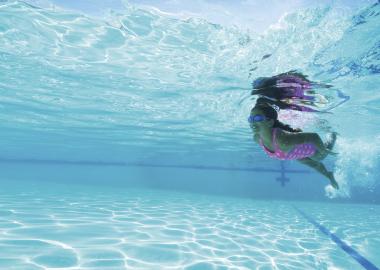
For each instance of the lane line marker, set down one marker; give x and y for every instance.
(345, 247)
(144, 164)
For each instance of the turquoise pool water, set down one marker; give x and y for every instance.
(125, 142)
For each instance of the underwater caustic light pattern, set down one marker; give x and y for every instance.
(49, 228)
(99, 115)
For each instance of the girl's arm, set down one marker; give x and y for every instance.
(256, 137)
(287, 127)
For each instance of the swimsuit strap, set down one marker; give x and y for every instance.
(274, 143)
(269, 153)
(276, 149)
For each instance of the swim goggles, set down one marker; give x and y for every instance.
(256, 118)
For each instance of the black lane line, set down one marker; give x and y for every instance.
(143, 164)
(349, 250)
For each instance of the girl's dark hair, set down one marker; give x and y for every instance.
(271, 113)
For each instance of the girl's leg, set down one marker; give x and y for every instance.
(304, 137)
(287, 141)
(320, 167)
(323, 149)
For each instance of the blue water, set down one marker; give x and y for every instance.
(125, 142)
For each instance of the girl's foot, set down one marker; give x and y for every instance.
(333, 182)
(331, 142)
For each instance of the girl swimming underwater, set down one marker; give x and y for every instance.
(284, 144)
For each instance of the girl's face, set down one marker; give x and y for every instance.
(258, 120)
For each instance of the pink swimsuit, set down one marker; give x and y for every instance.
(300, 151)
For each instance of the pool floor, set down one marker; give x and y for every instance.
(57, 226)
